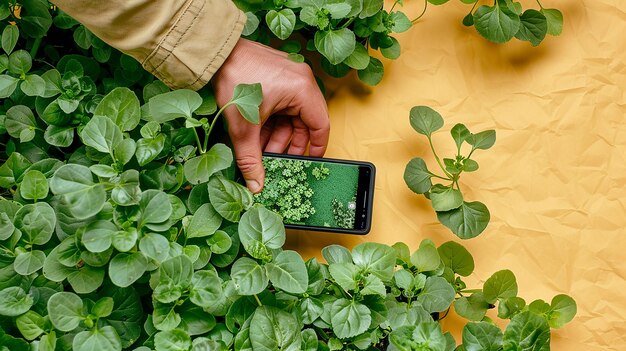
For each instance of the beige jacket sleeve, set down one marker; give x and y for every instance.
(181, 42)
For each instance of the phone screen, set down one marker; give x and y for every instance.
(318, 194)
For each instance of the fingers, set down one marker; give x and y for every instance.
(314, 114)
(300, 137)
(246, 139)
(281, 135)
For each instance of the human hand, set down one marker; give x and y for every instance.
(291, 98)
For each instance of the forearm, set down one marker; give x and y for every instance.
(182, 42)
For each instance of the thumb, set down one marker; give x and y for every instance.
(248, 156)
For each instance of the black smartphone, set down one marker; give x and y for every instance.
(320, 194)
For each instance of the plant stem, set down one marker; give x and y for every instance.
(35, 48)
(257, 300)
(348, 22)
(206, 135)
(423, 12)
(430, 141)
(195, 132)
(539, 2)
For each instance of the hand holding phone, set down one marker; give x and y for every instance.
(319, 193)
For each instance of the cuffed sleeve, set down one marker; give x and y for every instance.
(181, 42)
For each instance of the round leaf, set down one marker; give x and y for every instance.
(248, 276)
(125, 269)
(228, 198)
(349, 318)
(281, 23)
(562, 310)
(37, 222)
(102, 134)
(445, 198)
(437, 295)
(261, 226)
(482, 336)
(27, 263)
(496, 23)
(500, 285)
(121, 105)
(14, 301)
(467, 221)
(457, 258)
(335, 45)
(199, 169)
(65, 310)
(425, 120)
(101, 339)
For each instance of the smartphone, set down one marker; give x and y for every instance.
(319, 194)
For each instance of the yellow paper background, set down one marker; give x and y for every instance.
(555, 182)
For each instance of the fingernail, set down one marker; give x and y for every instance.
(254, 186)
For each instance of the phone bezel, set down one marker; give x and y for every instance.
(369, 198)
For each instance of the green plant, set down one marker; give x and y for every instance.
(287, 190)
(344, 216)
(320, 172)
(465, 219)
(131, 233)
(343, 32)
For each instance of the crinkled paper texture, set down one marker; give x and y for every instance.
(555, 181)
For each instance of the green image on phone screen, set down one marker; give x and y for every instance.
(320, 194)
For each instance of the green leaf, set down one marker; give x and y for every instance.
(482, 336)
(370, 8)
(437, 295)
(248, 276)
(20, 62)
(31, 324)
(13, 169)
(378, 259)
(417, 177)
(359, 59)
(86, 279)
(344, 274)
(14, 301)
(562, 311)
(527, 331)
(204, 222)
(125, 268)
(174, 104)
(445, 198)
(65, 310)
(10, 34)
(177, 271)
(154, 207)
(126, 189)
(373, 73)
(349, 318)
(229, 199)
(36, 222)
(206, 289)
(148, 149)
(247, 98)
(53, 115)
(426, 258)
(8, 85)
(460, 133)
(500, 285)
(533, 27)
(425, 120)
(457, 258)
(496, 23)
(423, 336)
(508, 307)
(172, 340)
(98, 236)
(101, 134)
(401, 23)
(101, 339)
(220, 242)
(273, 329)
(372, 285)
(52, 78)
(335, 45)
(393, 51)
(281, 23)
(33, 85)
(467, 221)
(34, 185)
(103, 307)
(121, 105)
(310, 309)
(336, 254)
(288, 272)
(154, 246)
(260, 226)
(19, 118)
(473, 307)
(438, 2)
(554, 18)
(199, 169)
(29, 262)
(252, 23)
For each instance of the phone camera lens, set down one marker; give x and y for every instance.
(363, 216)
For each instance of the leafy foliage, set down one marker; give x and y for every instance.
(343, 32)
(465, 219)
(122, 228)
